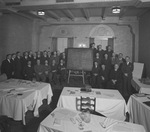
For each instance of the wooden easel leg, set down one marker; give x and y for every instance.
(68, 76)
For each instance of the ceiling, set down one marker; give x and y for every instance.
(86, 9)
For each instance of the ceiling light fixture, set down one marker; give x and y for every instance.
(116, 10)
(41, 13)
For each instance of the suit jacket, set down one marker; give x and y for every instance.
(115, 75)
(28, 72)
(18, 68)
(104, 73)
(95, 70)
(101, 53)
(13, 65)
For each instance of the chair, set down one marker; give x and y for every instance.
(87, 103)
(83, 103)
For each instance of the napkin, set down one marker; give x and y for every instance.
(122, 127)
(140, 95)
(57, 122)
(7, 90)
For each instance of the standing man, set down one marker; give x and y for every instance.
(7, 66)
(92, 46)
(18, 66)
(100, 51)
(127, 69)
(109, 51)
(13, 56)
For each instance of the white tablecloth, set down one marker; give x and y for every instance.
(139, 112)
(60, 120)
(17, 96)
(109, 102)
(140, 87)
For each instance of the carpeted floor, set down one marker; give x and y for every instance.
(44, 110)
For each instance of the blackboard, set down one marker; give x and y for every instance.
(80, 59)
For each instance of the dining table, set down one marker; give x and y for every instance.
(140, 86)
(139, 109)
(66, 120)
(17, 96)
(109, 103)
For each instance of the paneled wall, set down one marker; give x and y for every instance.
(144, 42)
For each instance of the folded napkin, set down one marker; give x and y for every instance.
(140, 94)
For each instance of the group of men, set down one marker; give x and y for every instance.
(42, 66)
(111, 70)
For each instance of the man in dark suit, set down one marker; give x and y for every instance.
(103, 76)
(44, 57)
(115, 79)
(109, 51)
(13, 56)
(120, 60)
(28, 71)
(100, 51)
(39, 71)
(107, 62)
(25, 60)
(18, 66)
(92, 46)
(7, 67)
(30, 55)
(127, 69)
(95, 74)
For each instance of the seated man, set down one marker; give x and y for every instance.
(115, 78)
(103, 76)
(95, 74)
(62, 71)
(47, 70)
(39, 71)
(28, 71)
(53, 78)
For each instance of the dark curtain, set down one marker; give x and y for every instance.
(111, 42)
(70, 42)
(91, 40)
(54, 43)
